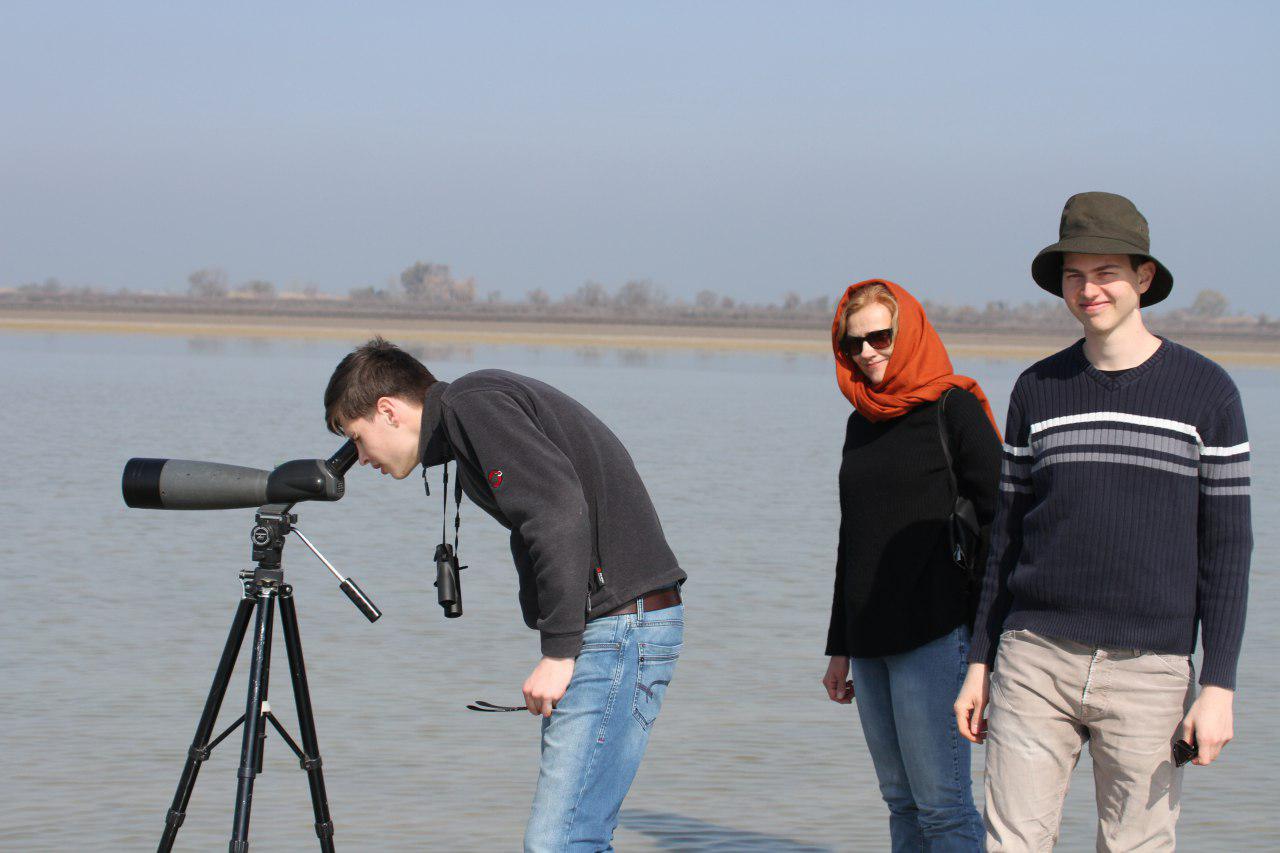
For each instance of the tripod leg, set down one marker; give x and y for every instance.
(204, 730)
(251, 744)
(265, 690)
(306, 720)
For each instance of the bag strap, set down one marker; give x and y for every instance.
(946, 442)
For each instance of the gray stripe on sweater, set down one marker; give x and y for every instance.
(1015, 468)
(1120, 458)
(1223, 470)
(1122, 437)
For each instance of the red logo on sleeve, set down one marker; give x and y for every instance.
(495, 478)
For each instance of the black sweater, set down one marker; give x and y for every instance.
(548, 470)
(896, 586)
(1124, 512)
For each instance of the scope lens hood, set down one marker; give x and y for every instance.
(141, 483)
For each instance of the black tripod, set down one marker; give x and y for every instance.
(262, 587)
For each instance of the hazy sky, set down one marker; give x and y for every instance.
(746, 148)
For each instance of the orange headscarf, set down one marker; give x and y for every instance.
(919, 369)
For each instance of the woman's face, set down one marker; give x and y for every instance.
(871, 361)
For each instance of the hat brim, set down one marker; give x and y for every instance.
(1046, 269)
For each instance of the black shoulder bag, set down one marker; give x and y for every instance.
(964, 533)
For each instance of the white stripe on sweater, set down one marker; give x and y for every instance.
(1119, 417)
(1137, 420)
(1224, 490)
(1234, 450)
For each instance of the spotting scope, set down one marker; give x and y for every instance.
(184, 484)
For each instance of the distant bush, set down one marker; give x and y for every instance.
(208, 283)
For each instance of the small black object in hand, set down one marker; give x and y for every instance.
(481, 705)
(1183, 752)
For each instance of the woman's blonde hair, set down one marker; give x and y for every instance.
(862, 297)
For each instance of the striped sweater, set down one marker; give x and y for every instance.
(1124, 514)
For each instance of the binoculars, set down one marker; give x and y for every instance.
(448, 583)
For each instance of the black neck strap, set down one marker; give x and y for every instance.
(457, 497)
(457, 518)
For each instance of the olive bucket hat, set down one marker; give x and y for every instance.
(1100, 224)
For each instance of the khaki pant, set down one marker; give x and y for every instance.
(1048, 698)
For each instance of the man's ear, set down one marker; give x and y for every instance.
(1146, 275)
(386, 408)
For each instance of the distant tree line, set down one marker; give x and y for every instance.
(430, 287)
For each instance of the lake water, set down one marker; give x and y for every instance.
(114, 618)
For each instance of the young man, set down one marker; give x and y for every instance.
(596, 576)
(1123, 525)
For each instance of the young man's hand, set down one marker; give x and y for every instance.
(1208, 723)
(971, 703)
(546, 685)
(839, 687)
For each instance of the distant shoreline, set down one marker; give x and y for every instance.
(997, 344)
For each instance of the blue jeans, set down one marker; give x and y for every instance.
(905, 704)
(593, 742)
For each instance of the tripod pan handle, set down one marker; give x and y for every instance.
(360, 600)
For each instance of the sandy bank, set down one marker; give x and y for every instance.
(995, 344)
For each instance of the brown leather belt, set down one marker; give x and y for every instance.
(658, 600)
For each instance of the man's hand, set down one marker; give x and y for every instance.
(971, 703)
(839, 687)
(1208, 723)
(546, 685)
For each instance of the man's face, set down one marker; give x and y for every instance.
(387, 439)
(1103, 291)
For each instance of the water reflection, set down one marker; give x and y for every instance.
(635, 357)
(588, 356)
(669, 831)
(206, 346)
(429, 353)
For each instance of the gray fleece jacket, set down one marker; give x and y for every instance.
(555, 476)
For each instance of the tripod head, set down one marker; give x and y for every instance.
(271, 525)
(183, 484)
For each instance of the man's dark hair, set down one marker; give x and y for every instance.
(377, 369)
(1136, 261)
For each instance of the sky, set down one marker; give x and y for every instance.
(746, 148)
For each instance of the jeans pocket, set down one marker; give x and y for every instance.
(1179, 665)
(655, 669)
(600, 647)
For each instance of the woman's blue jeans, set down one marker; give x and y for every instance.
(593, 742)
(905, 704)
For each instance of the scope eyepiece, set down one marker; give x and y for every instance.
(342, 460)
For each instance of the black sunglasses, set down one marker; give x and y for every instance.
(879, 339)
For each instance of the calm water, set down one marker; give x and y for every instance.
(115, 618)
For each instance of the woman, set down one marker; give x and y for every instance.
(901, 614)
